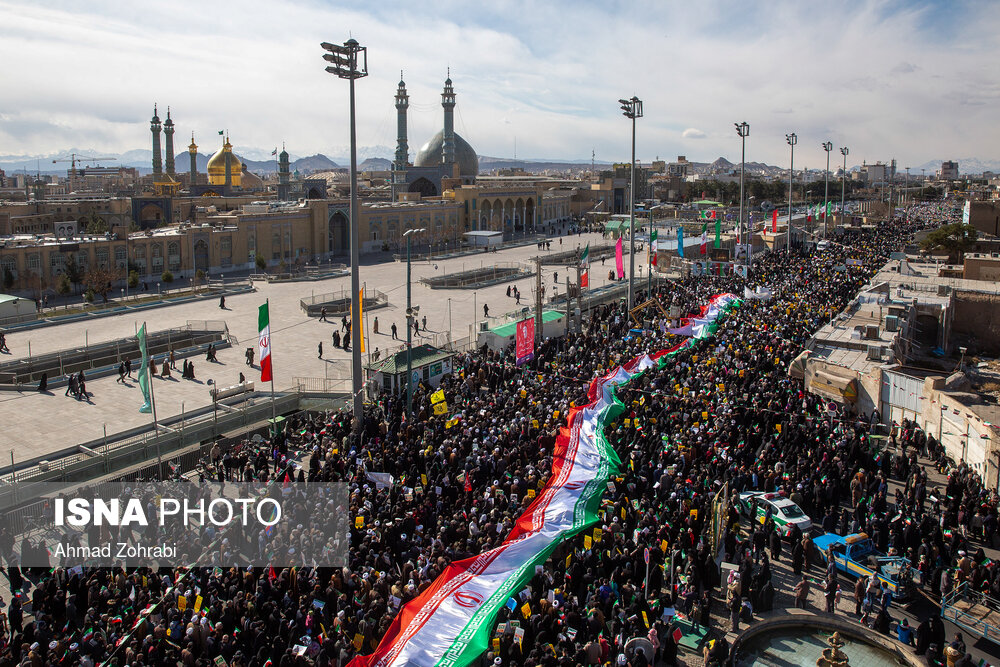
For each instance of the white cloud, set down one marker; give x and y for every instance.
(88, 74)
(693, 133)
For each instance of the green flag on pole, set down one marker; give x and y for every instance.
(585, 257)
(144, 370)
(718, 232)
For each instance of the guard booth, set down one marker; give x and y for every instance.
(429, 365)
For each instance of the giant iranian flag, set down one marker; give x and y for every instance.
(449, 624)
(264, 342)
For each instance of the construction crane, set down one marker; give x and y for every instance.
(73, 159)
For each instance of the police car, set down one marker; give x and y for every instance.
(784, 512)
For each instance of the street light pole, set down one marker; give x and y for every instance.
(843, 185)
(409, 325)
(827, 146)
(743, 129)
(345, 61)
(792, 139)
(631, 108)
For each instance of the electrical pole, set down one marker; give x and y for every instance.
(345, 63)
(631, 108)
(743, 129)
(538, 300)
(792, 139)
(827, 146)
(843, 184)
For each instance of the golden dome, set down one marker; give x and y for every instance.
(217, 166)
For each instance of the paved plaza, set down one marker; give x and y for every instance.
(38, 424)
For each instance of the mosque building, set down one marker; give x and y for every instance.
(445, 157)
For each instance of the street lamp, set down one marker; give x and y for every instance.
(792, 139)
(906, 192)
(345, 65)
(743, 129)
(827, 146)
(631, 108)
(411, 314)
(843, 186)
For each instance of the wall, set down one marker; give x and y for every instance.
(978, 315)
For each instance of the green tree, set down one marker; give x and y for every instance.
(96, 224)
(261, 262)
(956, 239)
(133, 279)
(64, 286)
(73, 272)
(167, 277)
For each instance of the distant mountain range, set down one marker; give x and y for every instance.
(379, 158)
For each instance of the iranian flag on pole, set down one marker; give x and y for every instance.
(652, 248)
(585, 267)
(264, 342)
(704, 239)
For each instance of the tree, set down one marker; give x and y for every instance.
(73, 272)
(167, 277)
(63, 286)
(99, 281)
(96, 224)
(956, 239)
(133, 279)
(261, 262)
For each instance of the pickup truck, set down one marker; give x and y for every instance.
(856, 555)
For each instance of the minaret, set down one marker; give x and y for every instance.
(402, 104)
(154, 127)
(193, 152)
(283, 186)
(228, 153)
(448, 102)
(168, 130)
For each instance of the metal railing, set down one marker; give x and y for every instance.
(496, 272)
(103, 355)
(979, 625)
(95, 459)
(373, 298)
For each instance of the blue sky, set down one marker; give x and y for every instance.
(909, 80)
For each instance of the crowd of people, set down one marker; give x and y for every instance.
(723, 416)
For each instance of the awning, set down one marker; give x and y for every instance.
(829, 383)
(797, 369)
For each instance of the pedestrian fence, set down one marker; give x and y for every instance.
(338, 303)
(101, 358)
(484, 276)
(138, 447)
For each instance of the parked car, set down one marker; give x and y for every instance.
(856, 555)
(784, 512)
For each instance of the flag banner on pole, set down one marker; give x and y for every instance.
(144, 370)
(680, 241)
(264, 342)
(619, 259)
(585, 257)
(440, 408)
(652, 248)
(585, 278)
(275, 151)
(524, 345)
(718, 233)
(449, 624)
(774, 222)
(704, 239)
(437, 397)
(708, 214)
(222, 131)
(361, 318)
(700, 325)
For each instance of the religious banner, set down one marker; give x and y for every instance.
(524, 343)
